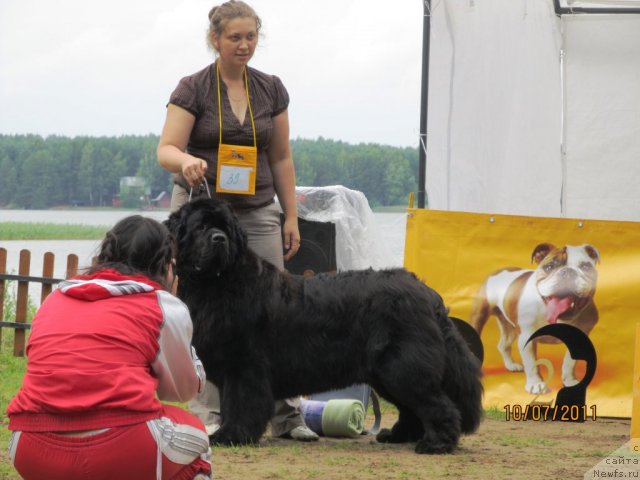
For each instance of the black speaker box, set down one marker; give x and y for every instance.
(317, 251)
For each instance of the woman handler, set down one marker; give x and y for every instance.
(227, 134)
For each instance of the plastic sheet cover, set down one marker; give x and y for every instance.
(349, 210)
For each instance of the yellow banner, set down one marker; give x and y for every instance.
(635, 416)
(510, 275)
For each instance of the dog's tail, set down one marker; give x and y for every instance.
(463, 374)
(480, 310)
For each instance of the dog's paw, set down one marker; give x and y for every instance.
(570, 382)
(385, 436)
(537, 388)
(424, 446)
(513, 367)
(442, 441)
(226, 438)
(220, 440)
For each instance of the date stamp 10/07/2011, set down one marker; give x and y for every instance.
(536, 412)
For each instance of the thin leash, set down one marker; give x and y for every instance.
(201, 187)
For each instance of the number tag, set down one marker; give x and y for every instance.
(237, 165)
(235, 178)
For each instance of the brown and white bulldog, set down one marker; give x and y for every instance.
(559, 290)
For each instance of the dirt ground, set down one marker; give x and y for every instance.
(499, 450)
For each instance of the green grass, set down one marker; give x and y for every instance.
(494, 413)
(12, 370)
(513, 441)
(50, 231)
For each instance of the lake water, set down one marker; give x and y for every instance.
(389, 232)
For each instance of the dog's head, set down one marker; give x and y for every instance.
(566, 278)
(208, 236)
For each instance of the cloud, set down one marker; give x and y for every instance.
(75, 67)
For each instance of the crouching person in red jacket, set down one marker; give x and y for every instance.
(105, 348)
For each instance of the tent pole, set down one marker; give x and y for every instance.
(424, 98)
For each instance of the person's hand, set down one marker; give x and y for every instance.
(172, 278)
(193, 170)
(174, 286)
(291, 238)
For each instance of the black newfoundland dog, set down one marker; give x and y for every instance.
(265, 335)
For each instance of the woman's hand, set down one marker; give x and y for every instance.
(172, 277)
(291, 237)
(284, 181)
(193, 170)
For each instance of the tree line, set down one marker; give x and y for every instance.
(42, 172)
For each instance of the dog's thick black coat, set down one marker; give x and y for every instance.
(263, 335)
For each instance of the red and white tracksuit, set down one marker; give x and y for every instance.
(103, 350)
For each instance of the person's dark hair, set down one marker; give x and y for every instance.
(137, 245)
(221, 14)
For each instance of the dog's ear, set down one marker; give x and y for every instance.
(540, 252)
(176, 219)
(241, 235)
(592, 252)
(172, 223)
(241, 241)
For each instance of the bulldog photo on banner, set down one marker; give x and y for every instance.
(560, 289)
(508, 276)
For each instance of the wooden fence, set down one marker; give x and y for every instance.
(23, 279)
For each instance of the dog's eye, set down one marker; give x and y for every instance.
(586, 266)
(202, 228)
(549, 267)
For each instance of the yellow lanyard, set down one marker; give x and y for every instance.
(246, 86)
(237, 164)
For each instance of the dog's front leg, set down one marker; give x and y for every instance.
(535, 384)
(568, 366)
(246, 407)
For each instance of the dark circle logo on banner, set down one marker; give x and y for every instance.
(580, 348)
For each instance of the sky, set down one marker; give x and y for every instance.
(80, 67)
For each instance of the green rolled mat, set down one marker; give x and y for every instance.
(343, 418)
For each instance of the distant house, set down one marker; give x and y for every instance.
(163, 200)
(134, 192)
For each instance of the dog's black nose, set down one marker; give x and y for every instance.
(218, 238)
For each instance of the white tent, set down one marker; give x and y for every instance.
(534, 108)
